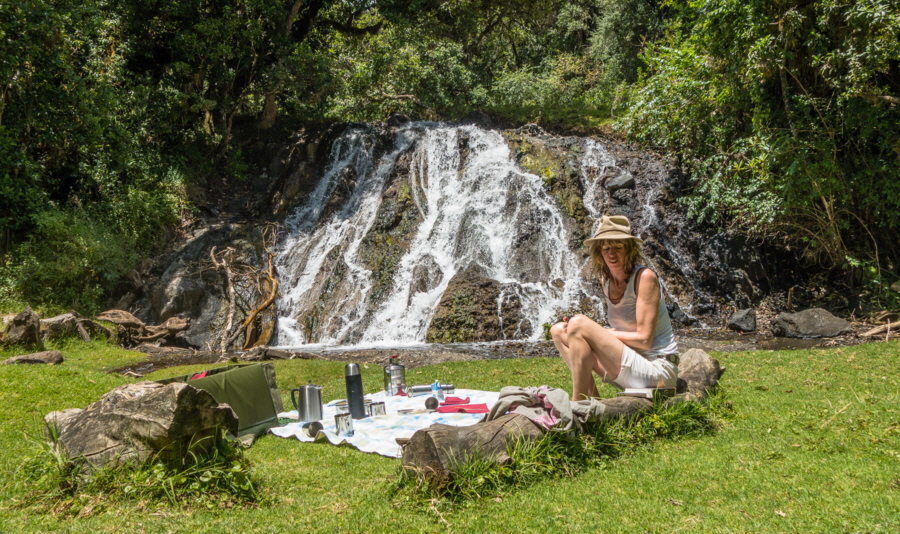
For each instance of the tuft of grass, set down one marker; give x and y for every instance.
(565, 455)
(219, 477)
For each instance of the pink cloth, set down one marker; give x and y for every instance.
(455, 400)
(199, 375)
(464, 408)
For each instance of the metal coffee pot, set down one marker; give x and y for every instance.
(309, 405)
(394, 376)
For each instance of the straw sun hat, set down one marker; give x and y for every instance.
(612, 227)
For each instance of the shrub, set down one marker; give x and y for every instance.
(72, 261)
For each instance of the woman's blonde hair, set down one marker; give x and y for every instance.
(633, 255)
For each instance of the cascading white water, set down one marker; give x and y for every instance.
(303, 254)
(476, 206)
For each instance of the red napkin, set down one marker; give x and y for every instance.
(464, 408)
(455, 400)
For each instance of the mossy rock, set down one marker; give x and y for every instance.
(468, 312)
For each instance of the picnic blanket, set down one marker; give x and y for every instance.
(380, 434)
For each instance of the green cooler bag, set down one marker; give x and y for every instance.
(249, 389)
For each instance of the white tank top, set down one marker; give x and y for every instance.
(622, 316)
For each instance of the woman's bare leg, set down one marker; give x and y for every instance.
(560, 339)
(587, 347)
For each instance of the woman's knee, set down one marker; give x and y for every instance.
(578, 323)
(558, 330)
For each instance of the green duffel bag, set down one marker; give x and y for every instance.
(249, 389)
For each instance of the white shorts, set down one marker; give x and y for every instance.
(639, 372)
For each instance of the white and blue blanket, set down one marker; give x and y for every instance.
(380, 434)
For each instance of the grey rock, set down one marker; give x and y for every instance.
(24, 330)
(677, 314)
(138, 421)
(812, 323)
(52, 357)
(699, 373)
(622, 181)
(478, 118)
(397, 119)
(743, 320)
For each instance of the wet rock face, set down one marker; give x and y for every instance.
(395, 226)
(812, 323)
(192, 288)
(555, 160)
(468, 311)
(733, 267)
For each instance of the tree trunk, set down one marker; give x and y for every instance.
(436, 452)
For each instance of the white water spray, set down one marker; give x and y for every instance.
(477, 207)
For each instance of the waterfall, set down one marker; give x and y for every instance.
(474, 205)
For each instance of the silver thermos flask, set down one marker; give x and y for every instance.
(394, 376)
(354, 391)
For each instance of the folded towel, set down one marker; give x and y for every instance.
(464, 408)
(449, 401)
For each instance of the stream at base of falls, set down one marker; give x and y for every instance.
(412, 356)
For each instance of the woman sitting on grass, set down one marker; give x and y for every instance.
(639, 350)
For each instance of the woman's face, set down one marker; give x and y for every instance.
(614, 255)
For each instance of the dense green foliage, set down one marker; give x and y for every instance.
(784, 113)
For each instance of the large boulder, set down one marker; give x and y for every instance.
(699, 373)
(812, 323)
(135, 422)
(52, 357)
(24, 330)
(468, 311)
(743, 320)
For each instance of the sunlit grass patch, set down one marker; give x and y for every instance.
(51, 482)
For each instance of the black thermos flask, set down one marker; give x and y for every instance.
(354, 391)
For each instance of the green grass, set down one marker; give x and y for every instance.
(812, 446)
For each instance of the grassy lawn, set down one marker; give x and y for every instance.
(813, 445)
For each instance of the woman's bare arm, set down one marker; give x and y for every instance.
(647, 309)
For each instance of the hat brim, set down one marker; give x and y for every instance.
(614, 236)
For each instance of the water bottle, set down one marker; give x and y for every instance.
(437, 391)
(355, 402)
